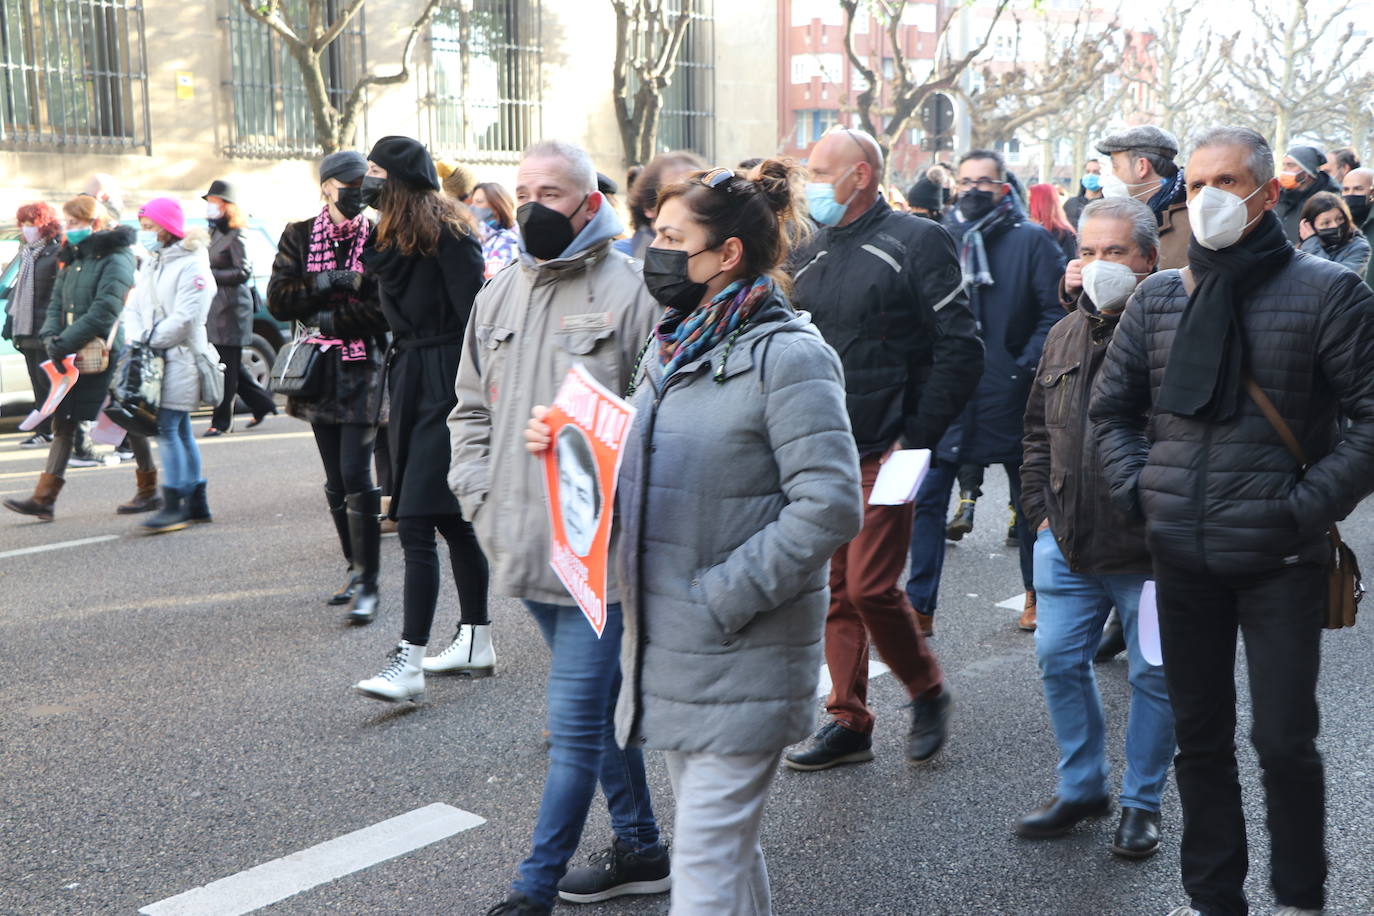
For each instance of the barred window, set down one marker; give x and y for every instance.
(481, 95)
(271, 108)
(686, 120)
(74, 75)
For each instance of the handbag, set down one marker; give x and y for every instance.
(1345, 587)
(136, 392)
(94, 355)
(211, 372)
(297, 370)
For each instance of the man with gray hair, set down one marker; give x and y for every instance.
(1088, 557)
(570, 299)
(1237, 522)
(1143, 167)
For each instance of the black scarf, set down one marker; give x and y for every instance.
(1203, 375)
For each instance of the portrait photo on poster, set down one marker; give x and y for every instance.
(579, 490)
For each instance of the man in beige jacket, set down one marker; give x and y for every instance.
(569, 299)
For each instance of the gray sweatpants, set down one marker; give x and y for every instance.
(718, 867)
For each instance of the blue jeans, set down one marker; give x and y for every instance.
(584, 682)
(180, 456)
(928, 534)
(1072, 609)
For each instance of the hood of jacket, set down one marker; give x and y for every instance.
(195, 240)
(604, 225)
(102, 243)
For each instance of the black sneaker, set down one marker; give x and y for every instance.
(929, 726)
(519, 905)
(616, 872)
(831, 746)
(37, 440)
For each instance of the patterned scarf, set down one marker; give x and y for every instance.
(683, 336)
(324, 236)
(1169, 193)
(973, 256)
(21, 296)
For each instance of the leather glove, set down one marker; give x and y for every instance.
(347, 281)
(54, 351)
(324, 321)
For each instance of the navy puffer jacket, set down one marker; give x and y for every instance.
(1228, 498)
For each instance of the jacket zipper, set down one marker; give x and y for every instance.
(1200, 493)
(1084, 368)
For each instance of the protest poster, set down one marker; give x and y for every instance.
(589, 427)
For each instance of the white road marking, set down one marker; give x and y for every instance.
(875, 669)
(1016, 602)
(60, 545)
(272, 881)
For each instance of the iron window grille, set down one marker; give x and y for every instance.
(482, 95)
(686, 120)
(271, 107)
(75, 75)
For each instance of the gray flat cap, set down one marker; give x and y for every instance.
(1146, 138)
(345, 165)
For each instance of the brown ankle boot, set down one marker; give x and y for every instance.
(41, 503)
(146, 498)
(1027, 621)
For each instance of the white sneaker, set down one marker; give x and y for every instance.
(1296, 911)
(403, 679)
(470, 654)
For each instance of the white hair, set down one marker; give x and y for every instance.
(1144, 229)
(580, 169)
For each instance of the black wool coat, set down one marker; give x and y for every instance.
(230, 322)
(427, 301)
(351, 391)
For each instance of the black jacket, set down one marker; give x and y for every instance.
(1228, 498)
(44, 275)
(230, 321)
(427, 301)
(1291, 201)
(1061, 474)
(887, 293)
(352, 389)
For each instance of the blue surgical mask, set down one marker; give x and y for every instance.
(1092, 181)
(77, 236)
(820, 200)
(482, 214)
(147, 239)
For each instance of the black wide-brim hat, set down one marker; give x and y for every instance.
(221, 189)
(406, 160)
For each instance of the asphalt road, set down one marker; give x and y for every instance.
(177, 710)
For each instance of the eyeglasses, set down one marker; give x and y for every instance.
(717, 179)
(982, 184)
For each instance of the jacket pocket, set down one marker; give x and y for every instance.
(1060, 390)
(493, 336)
(595, 348)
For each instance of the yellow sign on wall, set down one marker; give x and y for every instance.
(186, 87)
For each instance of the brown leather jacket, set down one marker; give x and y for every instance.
(1174, 235)
(1061, 477)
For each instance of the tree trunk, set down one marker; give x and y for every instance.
(317, 93)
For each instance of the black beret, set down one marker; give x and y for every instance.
(407, 161)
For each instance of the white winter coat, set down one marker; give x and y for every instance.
(168, 309)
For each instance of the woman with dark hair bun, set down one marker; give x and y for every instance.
(740, 479)
(428, 265)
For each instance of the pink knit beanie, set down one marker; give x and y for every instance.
(165, 212)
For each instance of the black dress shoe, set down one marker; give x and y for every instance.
(929, 726)
(832, 745)
(1059, 817)
(1113, 640)
(1137, 836)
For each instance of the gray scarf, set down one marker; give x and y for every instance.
(21, 296)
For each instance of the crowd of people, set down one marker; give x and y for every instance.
(1134, 357)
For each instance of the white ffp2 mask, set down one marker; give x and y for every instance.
(1217, 217)
(1108, 283)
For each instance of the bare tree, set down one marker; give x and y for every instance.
(1189, 73)
(1073, 65)
(1297, 69)
(307, 32)
(1086, 118)
(648, 36)
(886, 106)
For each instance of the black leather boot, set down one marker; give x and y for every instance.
(174, 515)
(365, 533)
(1137, 836)
(961, 523)
(339, 512)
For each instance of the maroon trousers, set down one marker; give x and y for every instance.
(866, 603)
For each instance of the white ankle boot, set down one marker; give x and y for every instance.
(403, 679)
(470, 654)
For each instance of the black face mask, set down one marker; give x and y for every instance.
(350, 202)
(370, 194)
(1333, 237)
(546, 232)
(1359, 207)
(665, 274)
(975, 204)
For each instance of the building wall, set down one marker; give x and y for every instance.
(188, 136)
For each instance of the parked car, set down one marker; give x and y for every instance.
(260, 240)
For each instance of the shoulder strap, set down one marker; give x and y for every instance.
(1271, 413)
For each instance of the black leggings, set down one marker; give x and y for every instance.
(971, 479)
(239, 384)
(469, 566)
(346, 450)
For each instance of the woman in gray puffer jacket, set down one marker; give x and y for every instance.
(740, 479)
(1333, 233)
